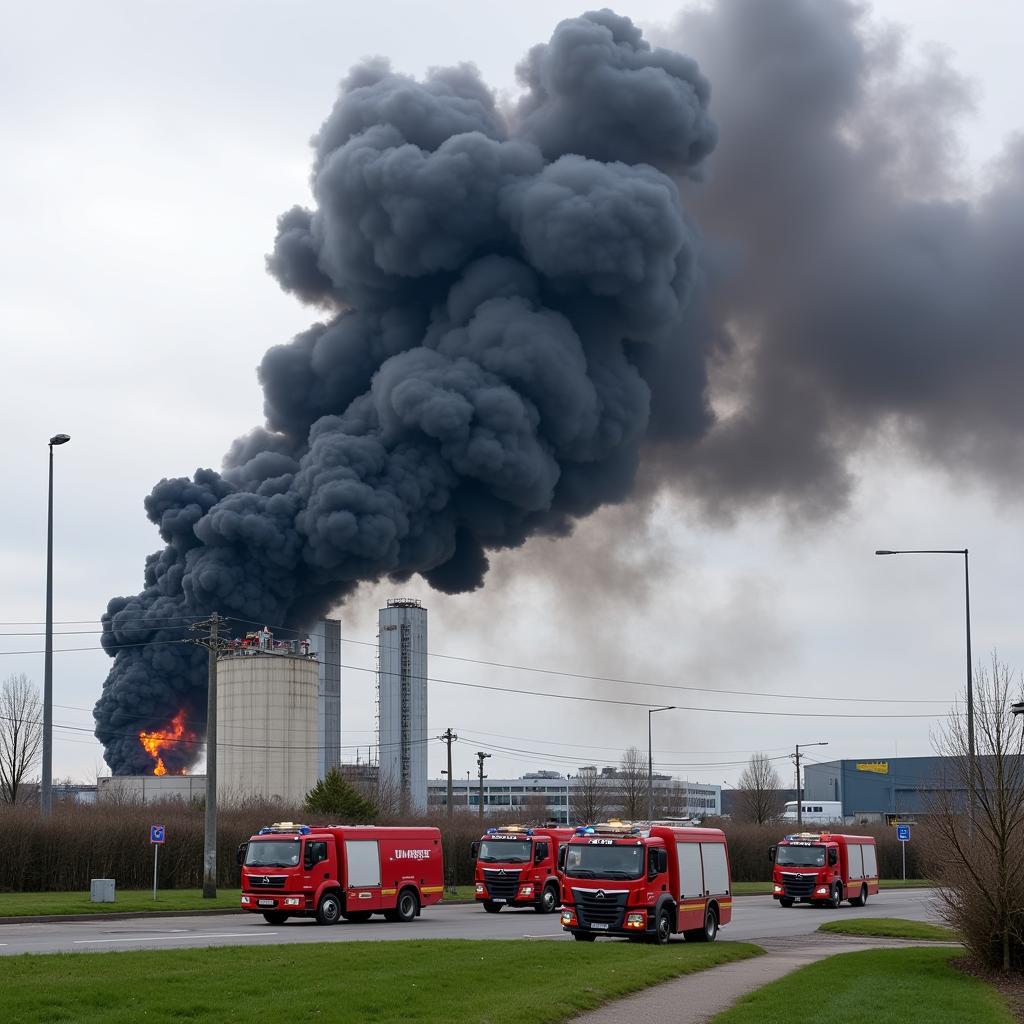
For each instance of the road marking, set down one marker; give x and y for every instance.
(160, 938)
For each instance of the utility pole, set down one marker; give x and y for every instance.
(480, 757)
(799, 795)
(213, 643)
(449, 737)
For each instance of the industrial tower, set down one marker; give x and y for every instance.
(402, 699)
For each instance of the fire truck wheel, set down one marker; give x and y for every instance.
(329, 909)
(275, 917)
(663, 929)
(407, 906)
(706, 934)
(584, 936)
(861, 900)
(548, 901)
(492, 908)
(785, 901)
(837, 897)
(358, 916)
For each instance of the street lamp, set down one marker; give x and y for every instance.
(970, 679)
(1018, 708)
(650, 763)
(799, 795)
(46, 790)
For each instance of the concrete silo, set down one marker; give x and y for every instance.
(267, 725)
(402, 699)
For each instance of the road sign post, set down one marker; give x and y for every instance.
(157, 837)
(903, 835)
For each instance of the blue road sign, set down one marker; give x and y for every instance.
(157, 834)
(903, 833)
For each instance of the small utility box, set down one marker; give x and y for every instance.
(101, 890)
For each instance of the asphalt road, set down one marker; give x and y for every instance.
(754, 917)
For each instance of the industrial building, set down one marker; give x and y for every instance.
(402, 700)
(556, 791)
(325, 642)
(268, 715)
(148, 789)
(877, 789)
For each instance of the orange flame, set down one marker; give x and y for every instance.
(154, 741)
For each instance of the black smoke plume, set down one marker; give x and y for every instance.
(500, 289)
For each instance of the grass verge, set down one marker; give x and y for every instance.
(884, 986)
(893, 928)
(29, 904)
(450, 981)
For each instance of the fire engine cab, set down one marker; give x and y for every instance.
(332, 872)
(824, 868)
(517, 866)
(646, 881)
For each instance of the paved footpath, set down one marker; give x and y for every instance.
(696, 998)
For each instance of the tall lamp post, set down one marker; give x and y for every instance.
(46, 790)
(650, 762)
(970, 676)
(799, 795)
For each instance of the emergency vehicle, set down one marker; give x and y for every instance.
(646, 881)
(517, 866)
(340, 871)
(824, 868)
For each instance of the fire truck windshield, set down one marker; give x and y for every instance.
(587, 861)
(272, 853)
(509, 851)
(801, 856)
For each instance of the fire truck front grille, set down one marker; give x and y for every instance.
(798, 886)
(501, 884)
(267, 881)
(595, 906)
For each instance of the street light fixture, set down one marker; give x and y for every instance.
(970, 678)
(1018, 708)
(46, 789)
(799, 795)
(650, 762)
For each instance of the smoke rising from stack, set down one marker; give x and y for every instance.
(490, 283)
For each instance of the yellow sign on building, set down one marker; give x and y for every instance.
(878, 767)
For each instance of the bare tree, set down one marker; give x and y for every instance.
(759, 791)
(588, 798)
(631, 788)
(973, 842)
(21, 735)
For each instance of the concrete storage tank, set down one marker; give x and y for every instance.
(267, 710)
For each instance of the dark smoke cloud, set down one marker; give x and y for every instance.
(493, 286)
(864, 293)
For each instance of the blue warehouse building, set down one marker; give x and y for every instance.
(881, 788)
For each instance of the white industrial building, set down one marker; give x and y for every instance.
(268, 703)
(149, 789)
(402, 699)
(511, 796)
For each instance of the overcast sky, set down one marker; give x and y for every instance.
(148, 150)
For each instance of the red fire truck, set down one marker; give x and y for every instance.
(646, 881)
(517, 866)
(824, 868)
(340, 871)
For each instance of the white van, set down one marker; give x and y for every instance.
(813, 811)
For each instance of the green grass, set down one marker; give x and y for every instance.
(462, 892)
(892, 927)
(449, 981)
(884, 986)
(27, 904)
